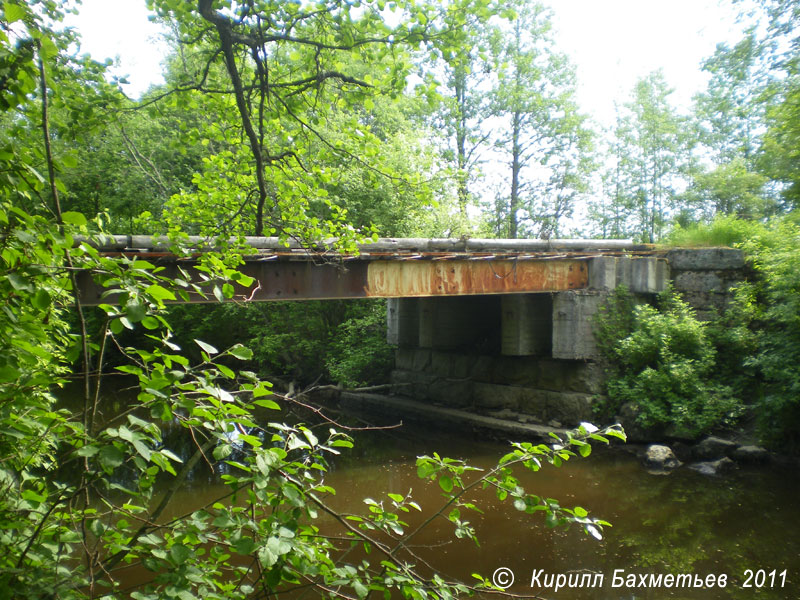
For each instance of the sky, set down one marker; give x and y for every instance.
(612, 42)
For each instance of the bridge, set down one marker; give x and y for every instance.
(399, 268)
(481, 324)
(452, 278)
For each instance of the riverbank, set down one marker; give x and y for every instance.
(709, 456)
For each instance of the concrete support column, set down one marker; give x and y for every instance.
(526, 324)
(641, 275)
(573, 324)
(402, 321)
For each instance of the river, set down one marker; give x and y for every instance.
(743, 526)
(681, 523)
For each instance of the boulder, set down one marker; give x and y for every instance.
(715, 467)
(713, 448)
(660, 458)
(750, 455)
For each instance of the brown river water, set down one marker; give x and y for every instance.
(744, 526)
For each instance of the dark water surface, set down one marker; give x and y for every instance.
(682, 523)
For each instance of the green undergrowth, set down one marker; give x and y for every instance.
(691, 377)
(662, 359)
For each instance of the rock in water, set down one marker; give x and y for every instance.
(660, 458)
(751, 454)
(713, 448)
(715, 467)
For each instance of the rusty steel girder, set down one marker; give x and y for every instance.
(306, 280)
(400, 279)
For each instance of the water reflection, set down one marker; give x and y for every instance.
(681, 523)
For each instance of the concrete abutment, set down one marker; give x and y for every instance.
(532, 357)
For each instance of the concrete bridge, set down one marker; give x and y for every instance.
(486, 325)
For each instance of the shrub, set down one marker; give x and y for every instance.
(726, 230)
(771, 308)
(359, 353)
(662, 360)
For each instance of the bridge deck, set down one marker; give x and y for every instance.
(388, 268)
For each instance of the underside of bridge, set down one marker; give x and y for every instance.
(541, 320)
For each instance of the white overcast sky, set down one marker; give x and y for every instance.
(612, 42)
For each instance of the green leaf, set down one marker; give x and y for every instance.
(241, 352)
(115, 326)
(48, 49)
(226, 371)
(14, 12)
(41, 299)
(446, 483)
(425, 469)
(110, 458)
(245, 546)
(150, 322)
(271, 404)
(585, 450)
(360, 589)
(222, 452)
(87, 451)
(69, 160)
(73, 218)
(142, 449)
(135, 311)
(159, 293)
(227, 290)
(179, 553)
(261, 390)
(251, 439)
(242, 279)
(207, 347)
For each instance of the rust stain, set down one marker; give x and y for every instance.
(459, 277)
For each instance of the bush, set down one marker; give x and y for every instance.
(724, 230)
(771, 308)
(663, 361)
(359, 353)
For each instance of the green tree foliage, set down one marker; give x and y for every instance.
(730, 112)
(463, 78)
(778, 54)
(296, 81)
(770, 307)
(84, 495)
(729, 189)
(545, 139)
(780, 160)
(730, 121)
(300, 343)
(136, 162)
(663, 363)
(651, 154)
